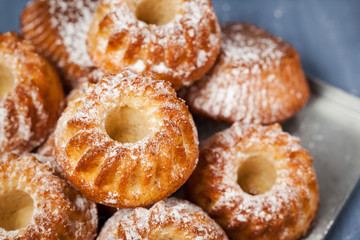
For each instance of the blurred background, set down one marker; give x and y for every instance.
(325, 32)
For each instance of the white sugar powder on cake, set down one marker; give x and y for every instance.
(72, 19)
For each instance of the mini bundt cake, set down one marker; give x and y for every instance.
(35, 204)
(169, 219)
(257, 78)
(256, 182)
(31, 95)
(84, 83)
(46, 152)
(58, 28)
(127, 141)
(177, 40)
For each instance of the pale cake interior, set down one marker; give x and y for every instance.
(168, 233)
(7, 80)
(158, 12)
(16, 210)
(127, 125)
(256, 175)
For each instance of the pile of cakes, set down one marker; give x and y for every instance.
(91, 125)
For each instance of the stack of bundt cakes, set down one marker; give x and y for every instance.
(121, 138)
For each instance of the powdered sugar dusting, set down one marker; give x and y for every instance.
(72, 20)
(191, 39)
(139, 66)
(3, 119)
(250, 82)
(295, 185)
(25, 117)
(251, 46)
(166, 219)
(54, 201)
(169, 121)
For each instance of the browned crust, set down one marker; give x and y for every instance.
(138, 174)
(60, 211)
(36, 100)
(125, 47)
(35, 24)
(273, 95)
(168, 219)
(47, 149)
(282, 212)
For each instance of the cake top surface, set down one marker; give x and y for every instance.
(72, 20)
(252, 47)
(171, 217)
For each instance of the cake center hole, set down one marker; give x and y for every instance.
(158, 12)
(16, 210)
(127, 125)
(257, 175)
(7, 80)
(168, 233)
(165, 238)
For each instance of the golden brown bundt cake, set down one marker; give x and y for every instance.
(127, 141)
(58, 28)
(46, 152)
(84, 83)
(257, 79)
(168, 219)
(30, 95)
(48, 148)
(256, 182)
(35, 204)
(177, 40)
